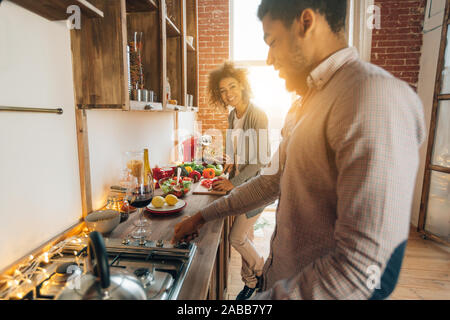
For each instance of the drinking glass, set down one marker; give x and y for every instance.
(140, 190)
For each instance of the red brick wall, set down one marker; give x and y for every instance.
(397, 46)
(214, 48)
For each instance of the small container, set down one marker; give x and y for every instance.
(151, 96)
(103, 221)
(144, 95)
(116, 201)
(140, 95)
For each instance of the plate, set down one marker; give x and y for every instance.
(166, 209)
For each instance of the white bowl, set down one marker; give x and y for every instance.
(103, 221)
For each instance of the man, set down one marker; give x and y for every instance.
(348, 163)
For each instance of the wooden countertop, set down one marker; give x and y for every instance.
(196, 283)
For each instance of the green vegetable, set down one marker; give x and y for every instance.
(199, 168)
(184, 172)
(189, 164)
(211, 166)
(187, 184)
(165, 188)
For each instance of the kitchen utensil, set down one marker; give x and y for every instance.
(99, 283)
(144, 95)
(141, 71)
(178, 176)
(166, 209)
(103, 221)
(141, 95)
(151, 96)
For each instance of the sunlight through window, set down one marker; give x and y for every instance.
(250, 51)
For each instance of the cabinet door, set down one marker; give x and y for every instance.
(99, 58)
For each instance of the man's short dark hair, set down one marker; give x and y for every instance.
(335, 11)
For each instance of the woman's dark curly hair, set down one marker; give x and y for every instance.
(227, 70)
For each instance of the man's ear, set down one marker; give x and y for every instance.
(306, 22)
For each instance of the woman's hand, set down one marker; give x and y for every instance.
(187, 229)
(227, 168)
(222, 184)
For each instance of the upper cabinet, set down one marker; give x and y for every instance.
(124, 48)
(57, 9)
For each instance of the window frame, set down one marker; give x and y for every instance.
(429, 167)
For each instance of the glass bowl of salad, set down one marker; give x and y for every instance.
(180, 189)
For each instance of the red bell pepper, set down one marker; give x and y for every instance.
(195, 175)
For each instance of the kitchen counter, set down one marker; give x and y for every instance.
(207, 275)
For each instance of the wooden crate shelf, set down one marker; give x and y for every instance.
(141, 5)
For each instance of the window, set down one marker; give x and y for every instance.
(249, 50)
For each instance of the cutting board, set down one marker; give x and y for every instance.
(201, 190)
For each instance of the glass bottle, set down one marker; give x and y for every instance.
(168, 90)
(148, 175)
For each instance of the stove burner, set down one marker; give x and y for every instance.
(64, 272)
(160, 266)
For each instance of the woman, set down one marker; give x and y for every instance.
(228, 86)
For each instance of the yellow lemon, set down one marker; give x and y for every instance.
(158, 202)
(171, 199)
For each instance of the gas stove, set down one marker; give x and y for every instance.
(160, 266)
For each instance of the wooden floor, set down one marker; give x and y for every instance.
(425, 272)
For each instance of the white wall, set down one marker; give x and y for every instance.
(112, 133)
(427, 80)
(39, 172)
(39, 177)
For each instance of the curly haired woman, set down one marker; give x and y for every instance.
(229, 87)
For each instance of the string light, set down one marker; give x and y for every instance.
(46, 260)
(15, 286)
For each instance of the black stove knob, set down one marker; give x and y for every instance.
(182, 245)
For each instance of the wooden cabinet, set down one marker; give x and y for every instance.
(99, 49)
(164, 25)
(54, 10)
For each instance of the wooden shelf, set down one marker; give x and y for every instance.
(172, 29)
(101, 66)
(173, 107)
(145, 106)
(55, 10)
(141, 5)
(100, 107)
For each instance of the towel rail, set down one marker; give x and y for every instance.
(39, 110)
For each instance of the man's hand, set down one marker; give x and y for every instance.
(222, 184)
(187, 229)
